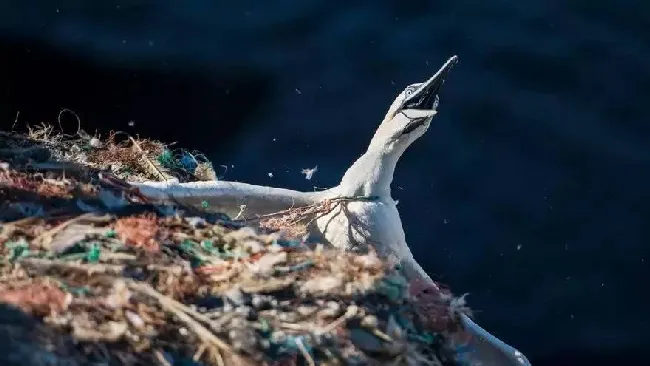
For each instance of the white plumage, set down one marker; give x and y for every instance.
(372, 220)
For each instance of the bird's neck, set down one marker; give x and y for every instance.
(371, 174)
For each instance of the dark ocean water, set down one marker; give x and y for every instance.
(530, 190)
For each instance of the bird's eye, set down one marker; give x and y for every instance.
(410, 90)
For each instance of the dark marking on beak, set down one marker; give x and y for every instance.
(413, 124)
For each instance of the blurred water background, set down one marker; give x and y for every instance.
(530, 190)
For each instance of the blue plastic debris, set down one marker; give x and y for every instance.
(187, 162)
(286, 243)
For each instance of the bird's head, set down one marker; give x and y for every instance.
(410, 115)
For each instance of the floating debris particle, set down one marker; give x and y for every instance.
(309, 172)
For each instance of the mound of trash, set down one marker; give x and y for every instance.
(94, 274)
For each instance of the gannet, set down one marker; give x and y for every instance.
(373, 219)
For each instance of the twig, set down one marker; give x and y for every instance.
(214, 325)
(350, 313)
(199, 352)
(9, 228)
(148, 161)
(312, 206)
(217, 356)
(278, 213)
(118, 257)
(45, 238)
(175, 307)
(162, 361)
(175, 270)
(304, 352)
(45, 264)
(293, 326)
(382, 335)
(217, 324)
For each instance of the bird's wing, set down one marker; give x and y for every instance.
(228, 197)
(483, 348)
(488, 350)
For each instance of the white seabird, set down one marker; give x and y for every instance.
(373, 219)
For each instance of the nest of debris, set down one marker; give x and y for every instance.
(93, 273)
(133, 159)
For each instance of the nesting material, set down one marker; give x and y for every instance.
(133, 159)
(106, 277)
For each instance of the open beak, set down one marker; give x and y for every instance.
(426, 97)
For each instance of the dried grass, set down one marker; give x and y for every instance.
(133, 158)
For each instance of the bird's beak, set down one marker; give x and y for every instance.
(426, 96)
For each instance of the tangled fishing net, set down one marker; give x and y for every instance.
(93, 274)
